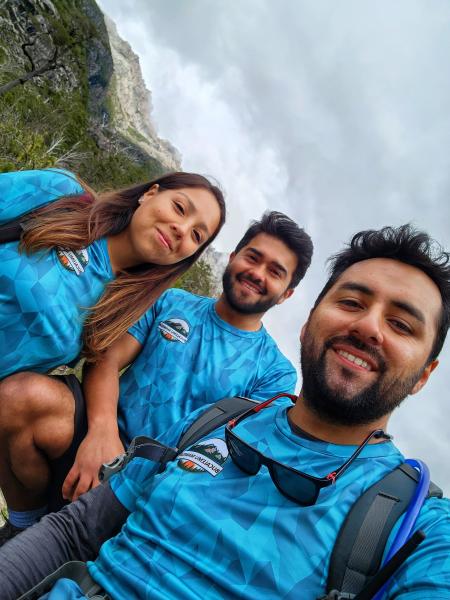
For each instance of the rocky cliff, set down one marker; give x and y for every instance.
(131, 102)
(72, 94)
(217, 262)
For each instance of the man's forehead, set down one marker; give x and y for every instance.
(263, 241)
(273, 249)
(384, 270)
(395, 280)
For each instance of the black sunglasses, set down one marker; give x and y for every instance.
(295, 485)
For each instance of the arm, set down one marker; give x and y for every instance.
(282, 378)
(102, 442)
(74, 533)
(274, 373)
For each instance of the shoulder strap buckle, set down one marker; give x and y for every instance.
(109, 469)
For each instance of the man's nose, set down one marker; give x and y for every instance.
(368, 326)
(257, 272)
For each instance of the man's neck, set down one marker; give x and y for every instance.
(310, 422)
(246, 322)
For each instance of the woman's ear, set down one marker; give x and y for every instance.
(150, 193)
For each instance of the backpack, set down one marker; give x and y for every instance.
(10, 232)
(354, 571)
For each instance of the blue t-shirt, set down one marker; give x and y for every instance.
(44, 296)
(205, 529)
(191, 357)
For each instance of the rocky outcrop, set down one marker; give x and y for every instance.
(60, 55)
(99, 64)
(27, 37)
(217, 261)
(131, 102)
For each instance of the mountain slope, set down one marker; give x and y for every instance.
(71, 114)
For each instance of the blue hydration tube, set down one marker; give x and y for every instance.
(409, 520)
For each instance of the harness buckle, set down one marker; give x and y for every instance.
(109, 469)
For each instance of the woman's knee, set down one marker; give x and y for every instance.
(26, 396)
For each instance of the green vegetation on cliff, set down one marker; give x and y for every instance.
(61, 117)
(198, 280)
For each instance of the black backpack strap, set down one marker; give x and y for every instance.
(140, 447)
(359, 547)
(216, 415)
(435, 491)
(10, 232)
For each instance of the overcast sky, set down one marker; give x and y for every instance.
(336, 113)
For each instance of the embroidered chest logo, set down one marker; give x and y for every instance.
(73, 260)
(204, 457)
(174, 330)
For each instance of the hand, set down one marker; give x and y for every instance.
(96, 449)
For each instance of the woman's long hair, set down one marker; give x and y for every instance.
(74, 222)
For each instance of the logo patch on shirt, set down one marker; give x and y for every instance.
(73, 260)
(174, 330)
(204, 457)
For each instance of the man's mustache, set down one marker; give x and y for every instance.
(350, 340)
(255, 282)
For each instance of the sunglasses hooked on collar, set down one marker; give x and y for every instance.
(293, 484)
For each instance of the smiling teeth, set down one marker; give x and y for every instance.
(251, 287)
(355, 359)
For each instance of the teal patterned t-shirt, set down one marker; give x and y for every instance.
(44, 296)
(191, 357)
(205, 529)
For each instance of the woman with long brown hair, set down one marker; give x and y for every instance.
(86, 267)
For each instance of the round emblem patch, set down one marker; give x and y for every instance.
(73, 260)
(205, 457)
(174, 330)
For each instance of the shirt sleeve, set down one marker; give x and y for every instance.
(281, 377)
(426, 573)
(141, 329)
(129, 484)
(23, 191)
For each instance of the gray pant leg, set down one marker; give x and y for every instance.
(74, 533)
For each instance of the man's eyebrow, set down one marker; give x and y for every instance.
(276, 264)
(192, 209)
(356, 287)
(406, 306)
(409, 308)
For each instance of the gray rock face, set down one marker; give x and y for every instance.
(28, 22)
(218, 262)
(99, 65)
(131, 102)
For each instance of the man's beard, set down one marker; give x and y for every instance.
(335, 406)
(242, 306)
